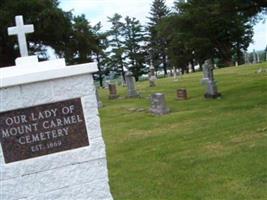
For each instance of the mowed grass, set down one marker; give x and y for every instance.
(202, 150)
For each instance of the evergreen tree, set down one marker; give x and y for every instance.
(99, 52)
(82, 42)
(116, 60)
(43, 14)
(158, 44)
(205, 28)
(133, 46)
(71, 37)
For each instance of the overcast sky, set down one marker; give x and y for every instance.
(98, 10)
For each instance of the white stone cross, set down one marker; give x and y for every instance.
(21, 30)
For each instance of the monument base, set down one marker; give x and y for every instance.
(111, 97)
(159, 112)
(212, 96)
(133, 94)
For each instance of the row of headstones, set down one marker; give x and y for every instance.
(255, 58)
(60, 153)
(158, 103)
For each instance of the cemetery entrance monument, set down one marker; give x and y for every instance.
(51, 141)
(212, 91)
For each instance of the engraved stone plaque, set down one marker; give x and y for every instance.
(41, 130)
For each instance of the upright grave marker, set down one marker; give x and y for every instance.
(51, 141)
(254, 57)
(246, 57)
(208, 79)
(152, 76)
(132, 93)
(112, 91)
(158, 104)
(181, 94)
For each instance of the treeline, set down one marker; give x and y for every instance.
(189, 33)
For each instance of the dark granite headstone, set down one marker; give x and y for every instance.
(112, 91)
(181, 94)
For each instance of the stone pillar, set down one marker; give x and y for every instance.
(112, 91)
(131, 85)
(158, 104)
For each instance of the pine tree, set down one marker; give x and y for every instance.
(43, 15)
(82, 41)
(133, 45)
(209, 29)
(99, 52)
(116, 60)
(157, 44)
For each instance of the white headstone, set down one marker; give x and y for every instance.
(21, 30)
(174, 73)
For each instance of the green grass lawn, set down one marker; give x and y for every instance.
(202, 150)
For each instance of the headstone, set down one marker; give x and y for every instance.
(258, 58)
(112, 91)
(174, 74)
(130, 81)
(190, 67)
(254, 57)
(180, 73)
(158, 104)
(181, 94)
(51, 141)
(246, 58)
(208, 80)
(152, 76)
(236, 63)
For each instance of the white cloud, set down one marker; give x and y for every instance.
(99, 10)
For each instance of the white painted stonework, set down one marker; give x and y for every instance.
(79, 174)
